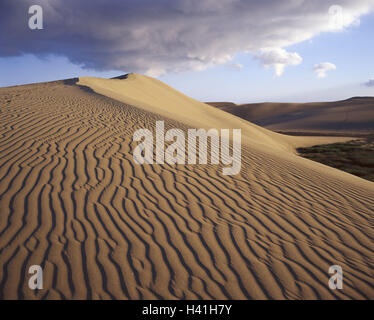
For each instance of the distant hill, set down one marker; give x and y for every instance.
(354, 114)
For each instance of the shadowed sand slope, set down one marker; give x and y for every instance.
(73, 201)
(354, 114)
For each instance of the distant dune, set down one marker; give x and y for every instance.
(73, 201)
(351, 115)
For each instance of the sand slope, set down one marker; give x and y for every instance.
(351, 115)
(73, 201)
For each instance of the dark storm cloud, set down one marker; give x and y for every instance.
(160, 36)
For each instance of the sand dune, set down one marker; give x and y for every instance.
(73, 201)
(351, 115)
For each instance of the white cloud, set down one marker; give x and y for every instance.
(234, 66)
(369, 83)
(278, 59)
(321, 69)
(157, 37)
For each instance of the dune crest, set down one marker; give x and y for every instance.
(155, 96)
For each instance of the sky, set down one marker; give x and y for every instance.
(212, 50)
